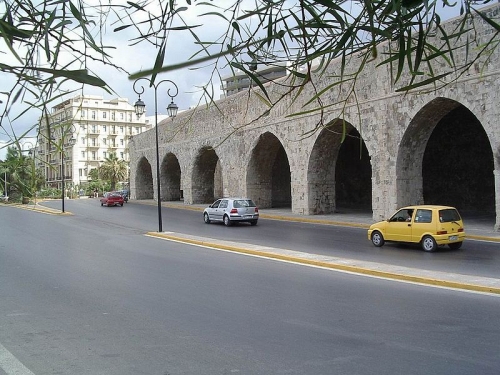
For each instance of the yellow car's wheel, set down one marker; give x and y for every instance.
(429, 244)
(377, 239)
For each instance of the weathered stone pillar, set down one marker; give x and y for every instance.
(496, 173)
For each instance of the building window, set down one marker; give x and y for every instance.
(83, 140)
(104, 154)
(104, 141)
(93, 142)
(93, 115)
(136, 130)
(121, 155)
(83, 113)
(80, 172)
(104, 128)
(93, 155)
(121, 115)
(112, 115)
(121, 129)
(104, 115)
(83, 154)
(121, 141)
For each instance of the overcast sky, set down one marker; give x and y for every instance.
(133, 59)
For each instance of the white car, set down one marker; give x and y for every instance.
(229, 210)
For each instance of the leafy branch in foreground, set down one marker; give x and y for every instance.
(49, 46)
(308, 35)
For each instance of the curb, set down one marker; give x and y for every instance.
(39, 208)
(333, 265)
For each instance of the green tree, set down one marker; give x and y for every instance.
(51, 43)
(94, 174)
(113, 170)
(22, 176)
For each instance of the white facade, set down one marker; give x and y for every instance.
(98, 127)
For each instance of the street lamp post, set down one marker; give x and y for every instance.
(172, 112)
(71, 142)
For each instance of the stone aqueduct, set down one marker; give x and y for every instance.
(440, 146)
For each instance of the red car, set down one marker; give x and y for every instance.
(112, 198)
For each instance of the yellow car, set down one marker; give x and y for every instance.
(431, 226)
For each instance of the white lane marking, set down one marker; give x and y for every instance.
(11, 365)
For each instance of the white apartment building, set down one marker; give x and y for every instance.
(88, 128)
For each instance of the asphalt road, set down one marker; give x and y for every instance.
(90, 294)
(475, 258)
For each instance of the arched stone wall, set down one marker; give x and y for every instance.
(457, 167)
(353, 174)
(412, 147)
(144, 180)
(339, 171)
(268, 173)
(438, 159)
(203, 185)
(321, 169)
(396, 127)
(170, 182)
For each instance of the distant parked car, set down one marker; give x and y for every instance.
(431, 226)
(124, 194)
(230, 210)
(112, 198)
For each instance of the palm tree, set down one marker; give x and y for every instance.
(113, 170)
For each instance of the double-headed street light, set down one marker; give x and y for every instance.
(172, 112)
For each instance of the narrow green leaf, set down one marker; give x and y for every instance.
(420, 47)
(75, 75)
(422, 83)
(488, 20)
(122, 28)
(213, 14)
(236, 27)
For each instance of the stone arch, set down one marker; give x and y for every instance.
(144, 180)
(170, 172)
(268, 173)
(339, 170)
(203, 177)
(445, 157)
(353, 174)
